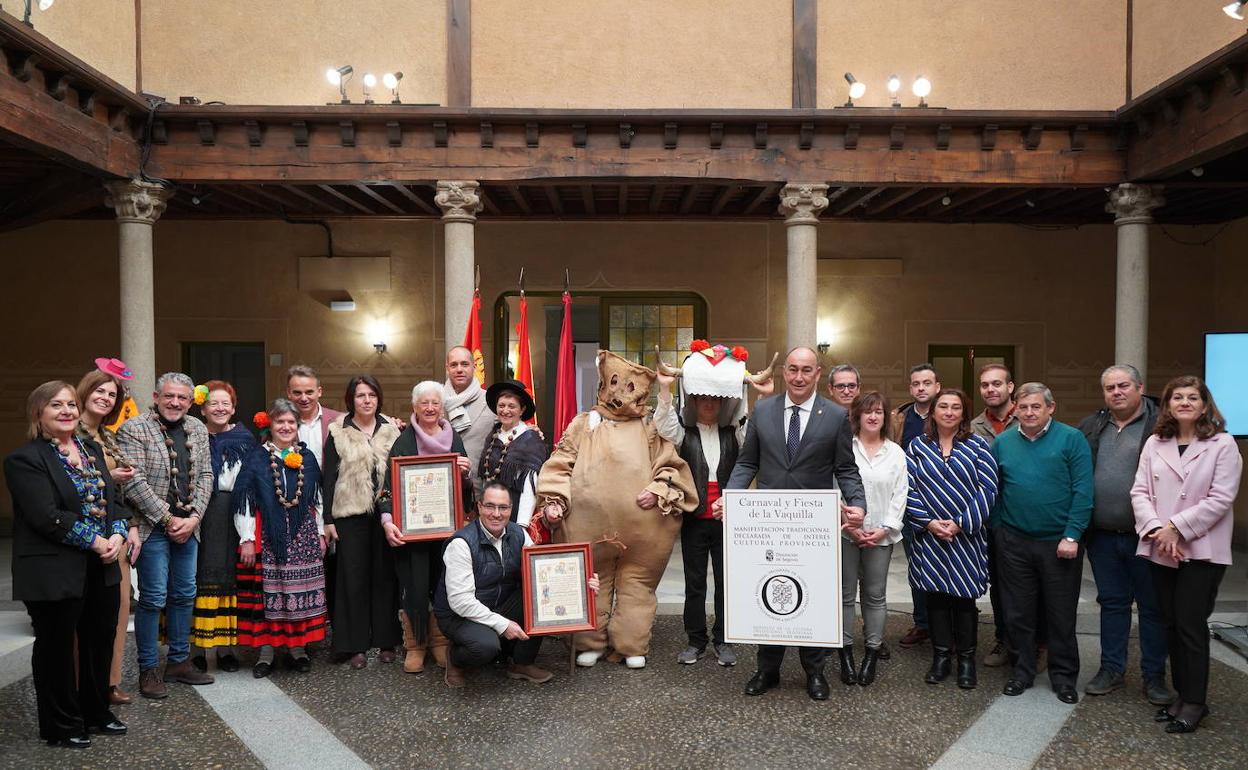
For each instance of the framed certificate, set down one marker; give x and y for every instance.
(557, 599)
(426, 496)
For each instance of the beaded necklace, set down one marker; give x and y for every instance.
(275, 464)
(107, 441)
(181, 501)
(490, 473)
(89, 481)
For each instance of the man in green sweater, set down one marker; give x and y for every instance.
(1044, 501)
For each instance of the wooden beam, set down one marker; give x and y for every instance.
(687, 201)
(964, 198)
(347, 199)
(859, 201)
(253, 203)
(622, 199)
(587, 199)
(762, 197)
(923, 202)
(1196, 136)
(991, 202)
(371, 193)
(459, 53)
(906, 194)
(419, 202)
(552, 196)
(517, 195)
(487, 201)
(805, 53)
(721, 199)
(313, 199)
(656, 198)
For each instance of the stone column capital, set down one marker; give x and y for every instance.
(460, 201)
(135, 200)
(1134, 203)
(801, 204)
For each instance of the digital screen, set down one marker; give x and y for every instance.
(1226, 374)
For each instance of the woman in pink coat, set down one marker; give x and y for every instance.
(1184, 489)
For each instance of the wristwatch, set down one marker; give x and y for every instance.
(1070, 540)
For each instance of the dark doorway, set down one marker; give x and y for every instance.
(958, 366)
(239, 363)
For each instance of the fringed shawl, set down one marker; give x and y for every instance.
(525, 455)
(254, 491)
(229, 448)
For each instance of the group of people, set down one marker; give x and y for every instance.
(241, 542)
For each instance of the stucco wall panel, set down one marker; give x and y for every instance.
(100, 32)
(1170, 37)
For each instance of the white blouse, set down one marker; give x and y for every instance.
(886, 483)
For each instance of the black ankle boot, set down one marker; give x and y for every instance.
(966, 669)
(866, 674)
(942, 662)
(849, 672)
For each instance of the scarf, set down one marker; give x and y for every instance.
(456, 404)
(434, 445)
(228, 448)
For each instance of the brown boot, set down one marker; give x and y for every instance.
(150, 685)
(438, 643)
(414, 661)
(529, 673)
(454, 676)
(186, 673)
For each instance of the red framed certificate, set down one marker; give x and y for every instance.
(557, 599)
(426, 496)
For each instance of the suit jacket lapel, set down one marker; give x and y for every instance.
(816, 419)
(69, 495)
(1169, 451)
(1194, 450)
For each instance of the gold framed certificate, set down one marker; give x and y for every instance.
(557, 599)
(427, 496)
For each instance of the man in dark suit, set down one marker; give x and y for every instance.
(799, 440)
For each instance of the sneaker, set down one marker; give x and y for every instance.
(1104, 682)
(588, 658)
(913, 637)
(635, 661)
(1157, 692)
(997, 656)
(529, 673)
(725, 654)
(691, 655)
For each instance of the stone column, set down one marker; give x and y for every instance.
(460, 204)
(801, 205)
(1132, 206)
(138, 205)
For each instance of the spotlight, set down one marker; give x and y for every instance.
(43, 6)
(894, 85)
(391, 81)
(1030, 203)
(921, 88)
(1198, 171)
(945, 201)
(1234, 10)
(370, 82)
(338, 76)
(856, 88)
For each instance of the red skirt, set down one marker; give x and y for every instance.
(283, 605)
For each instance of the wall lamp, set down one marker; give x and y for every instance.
(391, 80)
(46, 4)
(370, 82)
(856, 88)
(378, 332)
(1234, 10)
(921, 88)
(338, 76)
(894, 86)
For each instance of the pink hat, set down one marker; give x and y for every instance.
(115, 367)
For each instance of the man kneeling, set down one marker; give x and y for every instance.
(479, 599)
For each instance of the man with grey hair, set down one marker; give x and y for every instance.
(844, 384)
(169, 493)
(1116, 435)
(1044, 501)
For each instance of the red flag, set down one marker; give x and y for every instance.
(524, 368)
(565, 373)
(472, 337)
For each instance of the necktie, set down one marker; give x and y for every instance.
(795, 432)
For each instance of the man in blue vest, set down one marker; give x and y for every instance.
(479, 601)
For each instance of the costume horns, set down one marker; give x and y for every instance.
(762, 376)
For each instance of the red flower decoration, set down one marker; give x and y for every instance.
(741, 354)
(698, 346)
(260, 420)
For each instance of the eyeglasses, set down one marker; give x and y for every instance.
(496, 507)
(845, 386)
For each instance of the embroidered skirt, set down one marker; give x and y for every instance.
(283, 605)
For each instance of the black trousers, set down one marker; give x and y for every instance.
(365, 611)
(952, 622)
(476, 644)
(700, 538)
(770, 656)
(994, 597)
(1034, 580)
(1185, 597)
(67, 707)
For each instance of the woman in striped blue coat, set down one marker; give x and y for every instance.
(953, 482)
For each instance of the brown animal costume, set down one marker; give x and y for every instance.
(605, 459)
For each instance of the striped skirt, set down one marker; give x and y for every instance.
(283, 605)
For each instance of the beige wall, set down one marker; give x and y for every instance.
(244, 52)
(1049, 54)
(1171, 36)
(648, 53)
(100, 32)
(1049, 292)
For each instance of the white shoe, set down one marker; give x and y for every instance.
(589, 658)
(635, 661)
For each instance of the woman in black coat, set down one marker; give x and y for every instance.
(68, 532)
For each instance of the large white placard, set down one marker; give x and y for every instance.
(782, 567)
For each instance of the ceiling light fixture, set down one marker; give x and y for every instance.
(894, 86)
(921, 88)
(391, 80)
(43, 6)
(1198, 171)
(370, 82)
(338, 76)
(1234, 10)
(856, 88)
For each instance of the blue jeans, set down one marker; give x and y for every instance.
(1123, 578)
(917, 595)
(166, 582)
